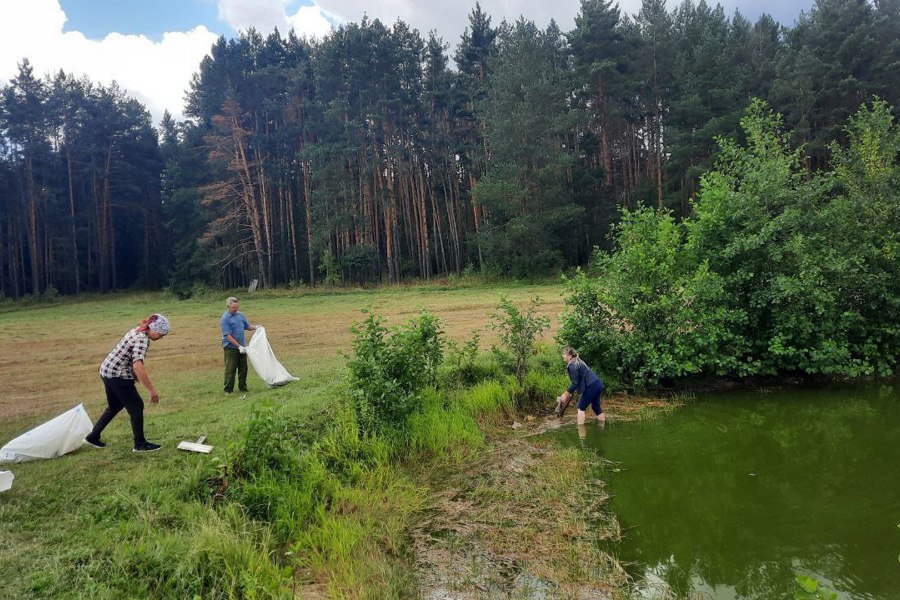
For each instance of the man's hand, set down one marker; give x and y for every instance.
(154, 398)
(242, 349)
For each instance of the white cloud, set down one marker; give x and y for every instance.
(263, 15)
(266, 15)
(156, 73)
(312, 22)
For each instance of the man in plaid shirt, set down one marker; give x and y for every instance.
(119, 369)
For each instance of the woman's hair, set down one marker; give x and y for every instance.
(570, 351)
(231, 300)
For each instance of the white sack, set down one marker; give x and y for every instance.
(6, 479)
(54, 438)
(260, 354)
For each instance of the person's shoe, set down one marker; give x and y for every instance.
(146, 447)
(229, 392)
(244, 390)
(94, 443)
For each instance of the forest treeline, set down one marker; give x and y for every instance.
(376, 154)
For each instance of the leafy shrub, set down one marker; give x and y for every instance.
(388, 370)
(50, 294)
(271, 444)
(518, 331)
(463, 359)
(330, 268)
(654, 313)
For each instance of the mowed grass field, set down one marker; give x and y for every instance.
(55, 514)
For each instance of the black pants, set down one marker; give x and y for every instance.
(121, 393)
(235, 361)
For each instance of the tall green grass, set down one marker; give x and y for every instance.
(488, 401)
(442, 433)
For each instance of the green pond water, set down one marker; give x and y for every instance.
(731, 496)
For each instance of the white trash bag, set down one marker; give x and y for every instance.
(6, 479)
(54, 438)
(260, 354)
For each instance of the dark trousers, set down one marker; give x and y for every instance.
(235, 362)
(591, 397)
(121, 393)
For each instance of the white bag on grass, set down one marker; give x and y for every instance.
(6, 479)
(54, 438)
(260, 355)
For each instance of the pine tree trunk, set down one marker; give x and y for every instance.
(33, 225)
(76, 266)
(307, 205)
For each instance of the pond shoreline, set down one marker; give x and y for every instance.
(525, 520)
(529, 518)
(715, 385)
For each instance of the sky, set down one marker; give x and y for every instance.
(153, 47)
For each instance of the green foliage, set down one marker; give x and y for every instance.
(289, 493)
(462, 359)
(268, 445)
(388, 370)
(653, 313)
(774, 273)
(330, 267)
(518, 332)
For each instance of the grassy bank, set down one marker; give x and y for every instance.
(295, 501)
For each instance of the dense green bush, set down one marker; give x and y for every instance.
(388, 369)
(652, 313)
(775, 273)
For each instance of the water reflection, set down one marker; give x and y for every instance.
(732, 496)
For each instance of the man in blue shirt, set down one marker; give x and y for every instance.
(234, 323)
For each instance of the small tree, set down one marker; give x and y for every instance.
(517, 331)
(389, 369)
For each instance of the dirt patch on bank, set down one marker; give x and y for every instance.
(523, 521)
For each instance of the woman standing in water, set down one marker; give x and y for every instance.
(585, 382)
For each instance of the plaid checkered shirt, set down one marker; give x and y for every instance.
(120, 362)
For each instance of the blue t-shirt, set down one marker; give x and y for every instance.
(235, 324)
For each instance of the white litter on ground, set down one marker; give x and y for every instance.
(197, 446)
(56, 437)
(260, 355)
(6, 479)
